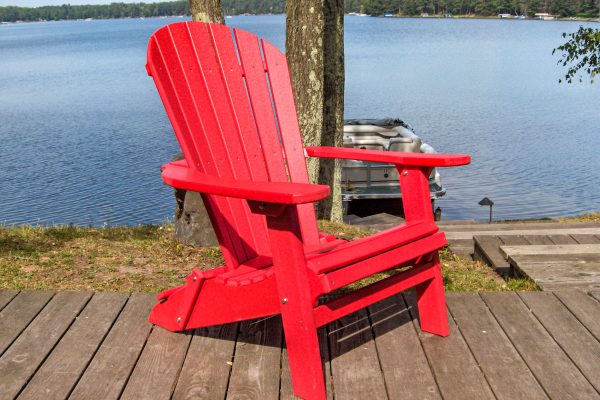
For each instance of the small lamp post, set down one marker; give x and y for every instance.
(487, 202)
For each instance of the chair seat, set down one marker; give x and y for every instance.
(336, 254)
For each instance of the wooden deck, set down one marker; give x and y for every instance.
(461, 236)
(75, 345)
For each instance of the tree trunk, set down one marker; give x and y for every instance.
(330, 172)
(305, 26)
(207, 11)
(314, 47)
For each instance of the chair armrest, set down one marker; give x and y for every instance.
(178, 175)
(391, 157)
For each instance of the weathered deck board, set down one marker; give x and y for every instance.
(584, 307)
(502, 345)
(502, 365)
(557, 275)
(6, 297)
(27, 352)
(538, 240)
(19, 313)
(62, 369)
(581, 346)
(554, 370)
(153, 377)
(557, 266)
(208, 363)
(462, 247)
(456, 371)
(533, 232)
(397, 341)
(255, 373)
(354, 362)
(551, 249)
(517, 226)
(586, 239)
(115, 359)
(487, 250)
(562, 239)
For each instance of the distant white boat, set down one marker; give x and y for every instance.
(545, 16)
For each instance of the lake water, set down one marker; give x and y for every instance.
(84, 134)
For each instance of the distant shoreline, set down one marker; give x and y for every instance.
(435, 16)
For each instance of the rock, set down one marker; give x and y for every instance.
(192, 224)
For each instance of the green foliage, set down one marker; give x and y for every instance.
(581, 53)
(133, 10)
(563, 8)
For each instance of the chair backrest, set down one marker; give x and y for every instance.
(232, 108)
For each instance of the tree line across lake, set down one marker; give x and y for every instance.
(562, 8)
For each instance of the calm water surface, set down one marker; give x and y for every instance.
(84, 133)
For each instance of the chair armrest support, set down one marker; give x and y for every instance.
(180, 176)
(391, 157)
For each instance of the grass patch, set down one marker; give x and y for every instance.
(462, 275)
(148, 259)
(590, 217)
(143, 258)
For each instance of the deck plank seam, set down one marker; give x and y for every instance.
(574, 315)
(232, 359)
(280, 364)
(29, 323)
(189, 333)
(10, 301)
(416, 329)
(330, 370)
(485, 377)
(385, 384)
(557, 342)
(537, 379)
(281, 361)
(571, 236)
(178, 374)
(552, 240)
(137, 359)
(594, 295)
(97, 347)
(55, 343)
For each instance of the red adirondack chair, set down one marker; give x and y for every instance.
(231, 105)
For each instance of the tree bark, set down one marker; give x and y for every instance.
(305, 26)
(330, 172)
(315, 51)
(207, 11)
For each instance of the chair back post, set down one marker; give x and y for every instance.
(417, 200)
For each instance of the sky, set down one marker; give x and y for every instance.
(37, 3)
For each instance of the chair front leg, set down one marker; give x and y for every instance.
(431, 301)
(297, 313)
